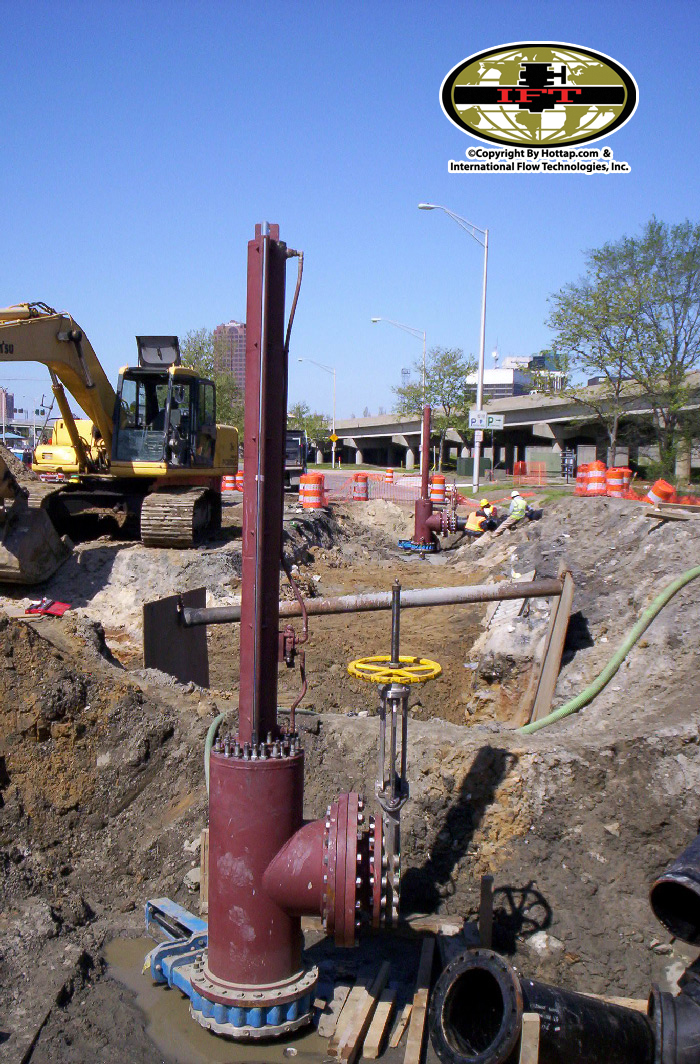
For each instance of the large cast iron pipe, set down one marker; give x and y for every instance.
(676, 1021)
(675, 896)
(477, 1009)
(381, 600)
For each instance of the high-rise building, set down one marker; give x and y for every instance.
(229, 350)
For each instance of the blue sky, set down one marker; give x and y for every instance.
(142, 142)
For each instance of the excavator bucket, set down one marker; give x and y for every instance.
(31, 549)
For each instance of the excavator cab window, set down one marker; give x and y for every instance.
(141, 424)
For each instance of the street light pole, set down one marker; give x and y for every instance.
(472, 229)
(328, 369)
(418, 333)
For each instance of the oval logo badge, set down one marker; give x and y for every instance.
(539, 93)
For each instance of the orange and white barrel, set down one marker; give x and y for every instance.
(437, 489)
(661, 491)
(239, 481)
(311, 491)
(360, 491)
(228, 483)
(581, 480)
(615, 483)
(596, 478)
(389, 476)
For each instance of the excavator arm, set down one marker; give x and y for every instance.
(33, 332)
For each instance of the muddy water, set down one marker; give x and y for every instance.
(178, 1037)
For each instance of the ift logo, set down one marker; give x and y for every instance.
(539, 94)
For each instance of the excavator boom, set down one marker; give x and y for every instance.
(31, 332)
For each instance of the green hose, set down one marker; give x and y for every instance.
(209, 742)
(613, 665)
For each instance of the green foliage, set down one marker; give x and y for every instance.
(636, 315)
(300, 416)
(198, 351)
(446, 391)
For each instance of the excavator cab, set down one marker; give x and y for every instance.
(164, 416)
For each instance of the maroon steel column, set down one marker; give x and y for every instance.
(266, 867)
(263, 494)
(422, 534)
(425, 453)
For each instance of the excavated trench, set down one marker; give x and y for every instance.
(101, 765)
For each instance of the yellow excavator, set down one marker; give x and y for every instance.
(149, 455)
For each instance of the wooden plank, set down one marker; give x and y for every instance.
(204, 873)
(400, 1026)
(554, 648)
(486, 912)
(530, 1038)
(345, 1016)
(353, 1037)
(380, 1024)
(328, 1020)
(416, 1030)
(668, 515)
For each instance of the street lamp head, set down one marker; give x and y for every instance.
(426, 206)
(300, 360)
(376, 319)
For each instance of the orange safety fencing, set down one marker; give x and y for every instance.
(533, 473)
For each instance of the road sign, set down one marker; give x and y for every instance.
(481, 419)
(333, 438)
(478, 436)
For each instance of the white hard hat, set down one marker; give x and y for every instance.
(514, 494)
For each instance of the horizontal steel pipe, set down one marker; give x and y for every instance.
(381, 600)
(477, 1008)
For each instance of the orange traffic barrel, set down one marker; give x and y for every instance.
(228, 483)
(239, 481)
(615, 483)
(311, 491)
(581, 480)
(596, 478)
(437, 488)
(661, 491)
(360, 492)
(389, 476)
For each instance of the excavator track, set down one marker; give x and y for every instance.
(175, 518)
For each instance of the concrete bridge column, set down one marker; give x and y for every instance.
(683, 460)
(464, 453)
(410, 458)
(319, 456)
(358, 457)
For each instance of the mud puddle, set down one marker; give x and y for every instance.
(178, 1037)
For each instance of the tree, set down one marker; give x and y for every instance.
(593, 326)
(198, 350)
(446, 391)
(315, 425)
(635, 317)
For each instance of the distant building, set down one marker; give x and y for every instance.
(503, 383)
(7, 404)
(229, 350)
(516, 376)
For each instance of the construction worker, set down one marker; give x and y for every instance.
(489, 512)
(516, 512)
(476, 523)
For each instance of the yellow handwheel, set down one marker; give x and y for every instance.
(378, 669)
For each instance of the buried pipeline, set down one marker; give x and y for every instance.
(477, 1007)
